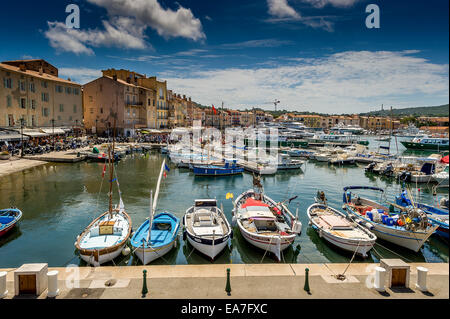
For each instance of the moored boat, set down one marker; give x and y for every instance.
(263, 222)
(427, 143)
(216, 170)
(206, 227)
(158, 234)
(338, 229)
(8, 219)
(409, 228)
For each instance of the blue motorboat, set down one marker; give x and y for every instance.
(437, 216)
(215, 170)
(8, 219)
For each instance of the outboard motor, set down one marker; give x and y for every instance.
(389, 170)
(370, 167)
(405, 176)
(444, 202)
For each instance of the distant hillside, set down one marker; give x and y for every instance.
(441, 110)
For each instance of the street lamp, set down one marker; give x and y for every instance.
(22, 123)
(53, 132)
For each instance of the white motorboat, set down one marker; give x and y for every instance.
(263, 222)
(206, 227)
(442, 177)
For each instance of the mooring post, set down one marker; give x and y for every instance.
(228, 286)
(306, 288)
(144, 285)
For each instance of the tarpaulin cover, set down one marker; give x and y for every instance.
(253, 202)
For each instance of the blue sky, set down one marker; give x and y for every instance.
(312, 55)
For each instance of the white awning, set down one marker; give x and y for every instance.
(12, 137)
(34, 133)
(53, 131)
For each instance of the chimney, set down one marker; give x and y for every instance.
(128, 80)
(23, 68)
(184, 97)
(115, 77)
(69, 80)
(41, 70)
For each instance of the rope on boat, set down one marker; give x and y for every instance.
(408, 260)
(342, 276)
(268, 246)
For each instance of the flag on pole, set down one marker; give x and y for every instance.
(165, 174)
(214, 109)
(166, 167)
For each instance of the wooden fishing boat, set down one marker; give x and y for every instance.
(409, 229)
(263, 222)
(338, 229)
(158, 234)
(105, 237)
(206, 227)
(8, 219)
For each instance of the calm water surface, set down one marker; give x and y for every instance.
(59, 200)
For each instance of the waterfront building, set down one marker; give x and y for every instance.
(178, 107)
(108, 95)
(33, 94)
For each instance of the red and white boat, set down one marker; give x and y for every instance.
(263, 222)
(8, 219)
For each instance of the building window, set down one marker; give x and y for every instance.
(92, 111)
(8, 83)
(59, 88)
(45, 111)
(76, 91)
(100, 88)
(33, 120)
(32, 87)
(11, 120)
(23, 103)
(74, 108)
(70, 118)
(68, 90)
(44, 84)
(61, 107)
(45, 97)
(101, 110)
(22, 85)
(8, 101)
(33, 104)
(59, 118)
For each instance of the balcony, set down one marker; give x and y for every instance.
(134, 104)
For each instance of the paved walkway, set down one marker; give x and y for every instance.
(16, 165)
(274, 281)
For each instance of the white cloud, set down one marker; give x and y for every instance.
(168, 23)
(264, 43)
(80, 75)
(352, 81)
(125, 28)
(335, 3)
(281, 9)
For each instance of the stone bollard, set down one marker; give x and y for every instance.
(421, 279)
(144, 285)
(306, 287)
(380, 279)
(228, 285)
(3, 291)
(53, 290)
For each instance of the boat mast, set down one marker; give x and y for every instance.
(111, 169)
(157, 187)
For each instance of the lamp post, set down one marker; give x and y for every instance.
(53, 132)
(22, 123)
(96, 128)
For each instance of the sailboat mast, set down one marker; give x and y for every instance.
(158, 185)
(111, 168)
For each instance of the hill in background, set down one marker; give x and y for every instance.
(441, 110)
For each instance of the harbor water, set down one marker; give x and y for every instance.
(59, 200)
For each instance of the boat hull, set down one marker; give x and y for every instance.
(422, 146)
(268, 243)
(10, 221)
(206, 247)
(148, 255)
(99, 257)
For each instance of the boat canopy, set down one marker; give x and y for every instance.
(253, 202)
(363, 187)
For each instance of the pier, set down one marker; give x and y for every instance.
(247, 281)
